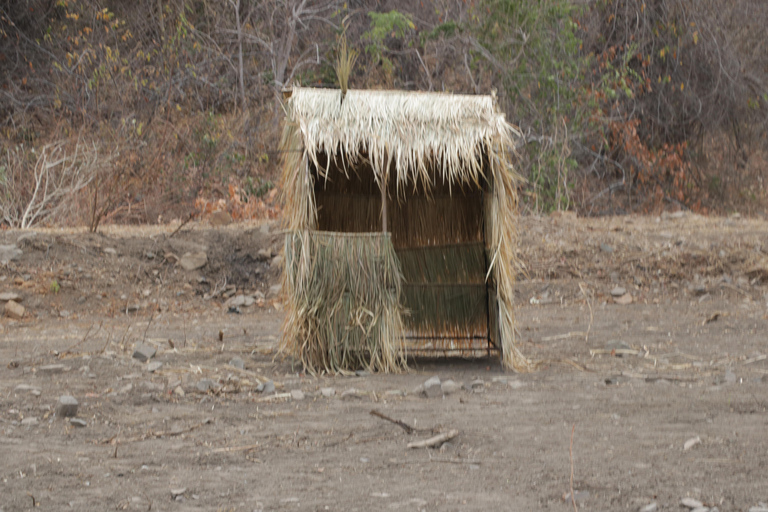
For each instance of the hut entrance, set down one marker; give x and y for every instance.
(439, 236)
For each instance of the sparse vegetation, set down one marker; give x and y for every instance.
(626, 106)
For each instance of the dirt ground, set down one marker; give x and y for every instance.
(663, 398)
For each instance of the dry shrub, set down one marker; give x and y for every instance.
(37, 184)
(240, 206)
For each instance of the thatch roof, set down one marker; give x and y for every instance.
(403, 131)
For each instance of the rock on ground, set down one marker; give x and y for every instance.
(193, 260)
(154, 366)
(51, 369)
(6, 296)
(9, 253)
(14, 310)
(432, 387)
(449, 386)
(67, 407)
(144, 352)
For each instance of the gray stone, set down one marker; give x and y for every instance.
(125, 389)
(144, 352)
(275, 290)
(618, 291)
(431, 388)
(77, 422)
(52, 369)
(277, 261)
(111, 251)
(14, 310)
(193, 260)
(351, 394)
(154, 366)
(691, 503)
(699, 290)
(150, 386)
(606, 248)
(28, 422)
(362, 373)
(758, 509)
(22, 388)
(700, 509)
(237, 363)
(6, 296)
(264, 255)
(327, 392)
(297, 394)
(730, 377)
(516, 384)
(240, 301)
(616, 345)
(478, 386)
(205, 385)
(178, 391)
(449, 387)
(9, 253)
(67, 406)
(266, 388)
(175, 493)
(651, 507)
(579, 496)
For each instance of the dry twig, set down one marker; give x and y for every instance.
(591, 315)
(434, 441)
(570, 451)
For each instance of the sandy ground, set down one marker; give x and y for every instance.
(628, 384)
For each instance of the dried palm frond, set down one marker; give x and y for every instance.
(344, 310)
(345, 61)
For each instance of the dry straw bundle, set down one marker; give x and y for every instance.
(345, 309)
(422, 149)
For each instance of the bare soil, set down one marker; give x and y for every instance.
(629, 384)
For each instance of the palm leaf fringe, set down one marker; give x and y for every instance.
(343, 311)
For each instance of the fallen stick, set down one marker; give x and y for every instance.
(755, 359)
(570, 453)
(615, 351)
(235, 448)
(564, 336)
(275, 398)
(152, 434)
(434, 441)
(408, 429)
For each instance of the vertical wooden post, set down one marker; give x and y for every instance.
(383, 186)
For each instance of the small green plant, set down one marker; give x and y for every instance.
(392, 24)
(54, 287)
(258, 188)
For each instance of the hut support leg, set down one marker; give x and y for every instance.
(383, 206)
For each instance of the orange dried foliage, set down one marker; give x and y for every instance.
(662, 172)
(240, 206)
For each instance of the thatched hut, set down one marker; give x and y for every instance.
(401, 209)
